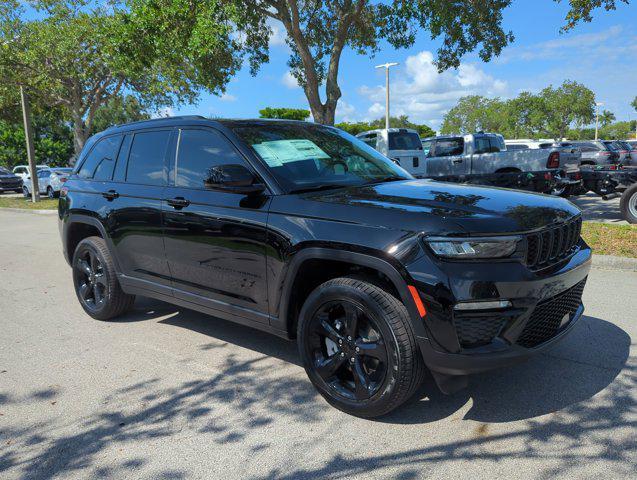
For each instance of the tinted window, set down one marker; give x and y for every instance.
(199, 151)
(369, 140)
(404, 141)
(44, 173)
(448, 146)
(517, 146)
(101, 159)
(146, 158)
(312, 156)
(426, 146)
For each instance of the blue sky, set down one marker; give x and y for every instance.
(602, 55)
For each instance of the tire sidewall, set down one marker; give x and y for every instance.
(84, 246)
(382, 397)
(624, 202)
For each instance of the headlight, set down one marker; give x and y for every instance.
(473, 248)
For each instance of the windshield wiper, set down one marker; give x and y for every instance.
(315, 188)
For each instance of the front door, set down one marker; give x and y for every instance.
(215, 240)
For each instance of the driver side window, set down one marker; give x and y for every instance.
(198, 152)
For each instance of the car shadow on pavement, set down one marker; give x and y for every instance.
(245, 394)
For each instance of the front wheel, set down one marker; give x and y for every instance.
(25, 192)
(95, 281)
(628, 204)
(50, 192)
(358, 347)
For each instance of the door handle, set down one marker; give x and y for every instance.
(178, 202)
(457, 160)
(110, 195)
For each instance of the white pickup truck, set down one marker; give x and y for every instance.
(482, 155)
(402, 145)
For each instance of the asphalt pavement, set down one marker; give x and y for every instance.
(170, 393)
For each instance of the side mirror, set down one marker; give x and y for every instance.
(233, 178)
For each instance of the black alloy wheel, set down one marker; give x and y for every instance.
(90, 280)
(358, 347)
(349, 353)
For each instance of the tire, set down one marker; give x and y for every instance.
(50, 192)
(95, 281)
(628, 204)
(25, 192)
(389, 362)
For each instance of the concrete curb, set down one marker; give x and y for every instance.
(25, 210)
(611, 262)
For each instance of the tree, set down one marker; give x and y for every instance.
(563, 106)
(284, 113)
(634, 103)
(475, 113)
(581, 10)
(78, 56)
(395, 122)
(119, 110)
(606, 118)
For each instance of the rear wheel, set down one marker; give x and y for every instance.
(50, 192)
(628, 204)
(25, 192)
(95, 281)
(358, 347)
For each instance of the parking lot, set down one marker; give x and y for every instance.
(171, 393)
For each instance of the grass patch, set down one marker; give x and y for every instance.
(27, 204)
(608, 239)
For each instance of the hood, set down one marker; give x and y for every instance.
(418, 205)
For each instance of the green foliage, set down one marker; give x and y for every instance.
(53, 141)
(394, 122)
(634, 103)
(284, 113)
(606, 118)
(548, 114)
(119, 110)
(581, 10)
(78, 54)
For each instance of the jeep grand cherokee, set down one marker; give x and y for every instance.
(306, 232)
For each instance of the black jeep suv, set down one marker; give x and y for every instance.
(306, 232)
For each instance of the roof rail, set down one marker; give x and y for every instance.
(151, 120)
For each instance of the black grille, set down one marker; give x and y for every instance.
(549, 246)
(547, 316)
(474, 331)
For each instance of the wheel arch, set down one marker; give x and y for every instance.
(77, 227)
(287, 318)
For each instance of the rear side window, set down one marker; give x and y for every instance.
(146, 158)
(198, 152)
(404, 141)
(369, 140)
(448, 146)
(100, 161)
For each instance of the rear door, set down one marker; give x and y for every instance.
(130, 204)
(446, 157)
(215, 240)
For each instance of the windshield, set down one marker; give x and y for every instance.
(305, 157)
(404, 141)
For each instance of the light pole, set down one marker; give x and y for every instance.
(597, 105)
(386, 67)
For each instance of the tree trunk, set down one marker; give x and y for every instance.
(79, 132)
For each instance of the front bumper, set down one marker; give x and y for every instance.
(534, 322)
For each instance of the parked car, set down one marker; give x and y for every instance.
(23, 171)
(402, 145)
(304, 231)
(622, 153)
(633, 151)
(626, 149)
(9, 182)
(481, 155)
(50, 181)
(596, 152)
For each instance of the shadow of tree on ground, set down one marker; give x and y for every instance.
(247, 395)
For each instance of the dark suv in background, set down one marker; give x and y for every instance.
(306, 232)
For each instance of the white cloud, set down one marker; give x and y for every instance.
(226, 97)
(345, 112)
(568, 47)
(418, 90)
(163, 112)
(289, 81)
(278, 36)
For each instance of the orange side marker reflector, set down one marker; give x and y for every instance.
(417, 300)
